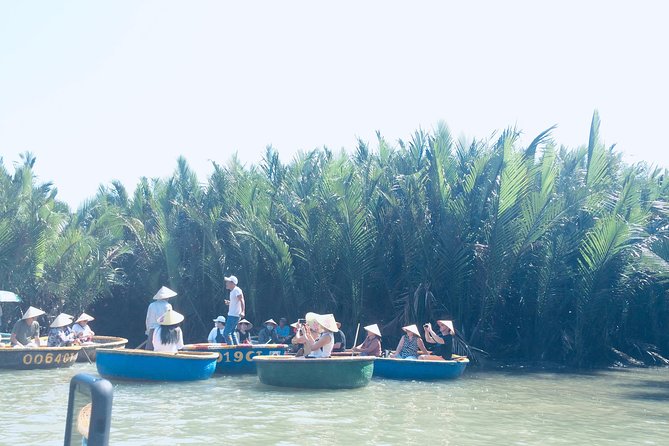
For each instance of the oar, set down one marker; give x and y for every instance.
(355, 342)
(87, 357)
(141, 345)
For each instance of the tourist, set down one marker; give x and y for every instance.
(283, 332)
(371, 346)
(443, 339)
(25, 332)
(339, 340)
(236, 310)
(155, 311)
(244, 331)
(82, 330)
(168, 337)
(320, 347)
(58, 335)
(216, 333)
(267, 335)
(410, 344)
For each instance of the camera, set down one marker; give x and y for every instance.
(302, 321)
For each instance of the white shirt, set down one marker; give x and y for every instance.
(156, 309)
(326, 350)
(80, 331)
(235, 302)
(168, 348)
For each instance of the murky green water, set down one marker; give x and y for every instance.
(529, 408)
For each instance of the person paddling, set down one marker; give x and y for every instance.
(157, 308)
(216, 333)
(26, 331)
(371, 346)
(168, 337)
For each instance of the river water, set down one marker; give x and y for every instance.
(521, 407)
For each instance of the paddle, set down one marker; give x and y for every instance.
(141, 345)
(355, 341)
(87, 357)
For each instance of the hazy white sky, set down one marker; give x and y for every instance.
(119, 89)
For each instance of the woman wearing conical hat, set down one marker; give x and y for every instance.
(371, 346)
(26, 331)
(443, 338)
(158, 307)
(322, 346)
(81, 328)
(168, 337)
(410, 344)
(243, 332)
(59, 335)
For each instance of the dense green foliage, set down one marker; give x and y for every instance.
(536, 252)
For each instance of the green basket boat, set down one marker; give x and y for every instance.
(315, 373)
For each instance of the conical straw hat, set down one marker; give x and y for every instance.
(373, 329)
(244, 321)
(84, 420)
(164, 293)
(171, 317)
(449, 324)
(311, 317)
(61, 320)
(32, 312)
(328, 322)
(85, 317)
(412, 329)
(270, 321)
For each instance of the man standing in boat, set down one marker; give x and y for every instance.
(237, 308)
(157, 309)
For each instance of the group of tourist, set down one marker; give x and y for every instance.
(64, 331)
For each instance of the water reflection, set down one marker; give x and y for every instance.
(508, 407)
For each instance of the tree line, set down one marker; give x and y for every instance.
(537, 252)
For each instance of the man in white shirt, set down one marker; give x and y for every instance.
(236, 310)
(157, 309)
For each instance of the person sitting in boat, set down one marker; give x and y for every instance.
(268, 333)
(82, 330)
(410, 344)
(326, 326)
(25, 332)
(283, 332)
(339, 340)
(244, 331)
(60, 334)
(168, 337)
(443, 339)
(371, 346)
(157, 308)
(216, 333)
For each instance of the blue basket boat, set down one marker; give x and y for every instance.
(420, 370)
(145, 365)
(238, 359)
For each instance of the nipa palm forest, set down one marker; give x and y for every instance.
(538, 253)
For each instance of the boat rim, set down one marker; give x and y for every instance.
(286, 359)
(180, 354)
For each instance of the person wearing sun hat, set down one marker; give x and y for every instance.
(326, 326)
(236, 310)
(443, 339)
(268, 333)
(371, 346)
(58, 335)
(216, 333)
(158, 307)
(81, 329)
(26, 330)
(410, 344)
(168, 337)
(243, 331)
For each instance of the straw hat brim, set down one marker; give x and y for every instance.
(328, 322)
(32, 312)
(85, 317)
(244, 321)
(61, 321)
(449, 324)
(270, 321)
(171, 317)
(164, 293)
(412, 329)
(374, 329)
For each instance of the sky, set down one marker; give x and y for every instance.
(119, 89)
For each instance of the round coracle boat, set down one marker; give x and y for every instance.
(420, 369)
(30, 358)
(145, 365)
(238, 359)
(315, 373)
(88, 350)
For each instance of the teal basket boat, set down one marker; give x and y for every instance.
(315, 373)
